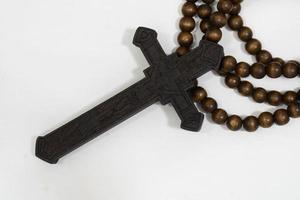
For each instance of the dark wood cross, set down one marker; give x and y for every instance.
(167, 80)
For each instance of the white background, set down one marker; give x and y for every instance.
(60, 58)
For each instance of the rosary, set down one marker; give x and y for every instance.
(171, 79)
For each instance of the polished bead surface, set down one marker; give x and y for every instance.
(258, 70)
(253, 46)
(205, 25)
(235, 22)
(187, 24)
(250, 124)
(185, 39)
(242, 69)
(266, 119)
(245, 34)
(281, 117)
(219, 116)
(294, 110)
(209, 105)
(204, 11)
(218, 19)
(225, 6)
(259, 95)
(290, 70)
(228, 64)
(245, 88)
(198, 94)
(182, 51)
(232, 81)
(236, 9)
(234, 123)
(264, 57)
(290, 97)
(274, 98)
(213, 34)
(189, 9)
(279, 60)
(274, 70)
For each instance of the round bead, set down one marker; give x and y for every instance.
(235, 22)
(290, 70)
(182, 51)
(204, 11)
(273, 70)
(290, 97)
(213, 34)
(245, 88)
(185, 39)
(218, 19)
(281, 117)
(198, 94)
(245, 34)
(250, 124)
(225, 6)
(266, 120)
(259, 95)
(187, 24)
(189, 9)
(232, 81)
(205, 25)
(209, 105)
(228, 64)
(278, 60)
(242, 69)
(253, 46)
(258, 70)
(219, 116)
(236, 9)
(274, 98)
(264, 57)
(294, 110)
(234, 123)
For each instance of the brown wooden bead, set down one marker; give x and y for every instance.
(198, 94)
(209, 105)
(232, 81)
(189, 9)
(259, 95)
(253, 46)
(281, 117)
(182, 51)
(205, 25)
(290, 97)
(279, 60)
(236, 9)
(187, 24)
(218, 19)
(204, 11)
(258, 70)
(298, 96)
(219, 116)
(242, 69)
(245, 88)
(250, 124)
(264, 57)
(274, 70)
(228, 64)
(235, 22)
(266, 120)
(225, 6)
(213, 34)
(294, 110)
(245, 34)
(234, 123)
(185, 39)
(274, 98)
(290, 70)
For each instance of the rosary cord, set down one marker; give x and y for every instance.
(211, 23)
